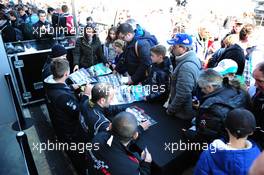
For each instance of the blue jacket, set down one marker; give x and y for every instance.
(226, 162)
(137, 65)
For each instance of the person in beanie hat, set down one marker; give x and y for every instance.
(57, 52)
(236, 155)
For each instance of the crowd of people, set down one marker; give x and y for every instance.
(209, 89)
(21, 22)
(217, 84)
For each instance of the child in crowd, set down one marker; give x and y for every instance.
(236, 155)
(158, 75)
(109, 51)
(118, 46)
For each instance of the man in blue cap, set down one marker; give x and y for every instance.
(184, 77)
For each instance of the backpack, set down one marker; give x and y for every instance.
(213, 112)
(152, 40)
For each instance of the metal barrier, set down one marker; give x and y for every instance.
(25, 149)
(21, 123)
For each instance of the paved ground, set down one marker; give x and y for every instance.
(47, 162)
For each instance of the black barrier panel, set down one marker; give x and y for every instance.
(27, 66)
(21, 123)
(29, 75)
(20, 117)
(25, 149)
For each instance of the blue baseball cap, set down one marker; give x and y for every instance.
(181, 39)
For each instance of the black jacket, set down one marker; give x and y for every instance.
(236, 53)
(37, 31)
(137, 65)
(46, 71)
(258, 108)
(115, 159)
(86, 55)
(8, 32)
(63, 106)
(158, 75)
(95, 119)
(215, 107)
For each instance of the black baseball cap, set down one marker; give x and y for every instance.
(240, 122)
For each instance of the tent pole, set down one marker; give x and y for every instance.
(74, 17)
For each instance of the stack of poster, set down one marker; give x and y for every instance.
(139, 92)
(124, 94)
(82, 77)
(99, 70)
(90, 75)
(111, 79)
(140, 115)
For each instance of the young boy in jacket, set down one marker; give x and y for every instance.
(235, 156)
(158, 75)
(64, 106)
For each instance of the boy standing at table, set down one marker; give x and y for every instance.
(158, 75)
